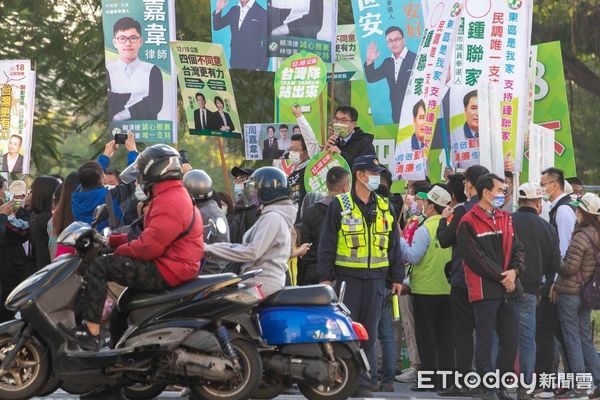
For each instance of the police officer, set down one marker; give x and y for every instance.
(199, 184)
(360, 245)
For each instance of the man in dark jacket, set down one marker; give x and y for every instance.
(350, 142)
(338, 182)
(542, 257)
(462, 312)
(245, 210)
(492, 260)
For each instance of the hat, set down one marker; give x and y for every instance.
(239, 171)
(530, 190)
(370, 163)
(590, 203)
(18, 188)
(437, 195)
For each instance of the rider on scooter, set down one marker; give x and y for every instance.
(168, 251)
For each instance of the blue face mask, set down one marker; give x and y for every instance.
(373, 182)
(498, 201)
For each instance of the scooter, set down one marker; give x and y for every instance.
(183, 336)
(309, 339)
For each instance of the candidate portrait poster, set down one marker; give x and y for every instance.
(17, 94)
(268, 141)
(493, 46)
(241, 28)
(426, 89)
(142, 89)
(388, 34)
(206, 89)
(464, 127)
(302, 25)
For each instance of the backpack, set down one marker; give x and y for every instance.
(590, 290)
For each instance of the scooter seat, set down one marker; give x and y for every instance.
(313, 295)
(133, 299)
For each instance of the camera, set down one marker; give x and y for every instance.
(120, 138)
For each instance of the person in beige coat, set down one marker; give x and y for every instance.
(577, 268)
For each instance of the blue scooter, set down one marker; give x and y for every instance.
(308, 338)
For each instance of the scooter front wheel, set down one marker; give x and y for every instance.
(345, 383)
(242, 388)
(28, 373)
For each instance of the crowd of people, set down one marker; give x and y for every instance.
(480, 286)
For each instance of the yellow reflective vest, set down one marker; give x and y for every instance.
(357, 245)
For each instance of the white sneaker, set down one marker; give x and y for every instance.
(407, 376)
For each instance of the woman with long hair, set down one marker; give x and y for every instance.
(63, 213)
(576, 269)
(42, 191)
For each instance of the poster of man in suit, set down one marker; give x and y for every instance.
(388, 36)
(240, 26)
(263, 141)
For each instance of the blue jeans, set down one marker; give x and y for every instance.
(575, 323)
(388, 344)
(527, 305)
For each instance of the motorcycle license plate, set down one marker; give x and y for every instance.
(364, 359)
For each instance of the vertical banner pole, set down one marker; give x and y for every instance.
(224, 166)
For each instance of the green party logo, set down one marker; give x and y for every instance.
(514, 4)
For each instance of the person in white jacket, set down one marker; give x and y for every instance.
(267, 244)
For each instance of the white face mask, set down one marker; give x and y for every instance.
(139, 194)
(294, 157)
(109, 187)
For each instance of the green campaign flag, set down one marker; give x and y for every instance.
(206, 88)
(551, 109)
(300, 79)
(348, 66)
(315, 175)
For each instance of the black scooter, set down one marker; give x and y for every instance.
(185, 336)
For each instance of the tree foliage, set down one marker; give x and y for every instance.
(64, 39)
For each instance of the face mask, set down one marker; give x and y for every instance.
(413, 209)
(423, 210)
(109, 187)
(373, 182)
(294, 157)
(139, 194)
(546, 197)
(237, 189)
(498, 201)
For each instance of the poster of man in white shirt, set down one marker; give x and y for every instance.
(135, 87)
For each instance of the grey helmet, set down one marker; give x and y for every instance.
(199, 184)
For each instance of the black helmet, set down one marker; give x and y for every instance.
(199, 184)
(270, 184)
(158, 163)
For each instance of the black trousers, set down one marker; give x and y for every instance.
(547, 329)
(496, 317)
(433, 330)
(463, 325)
(364, 299)
(136, 274)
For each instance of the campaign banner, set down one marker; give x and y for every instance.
(300, 79)
(142, 89)
(315, 175)
(17, 94)
(493, 46)
(464, 127)
(302, 25)
(426, 89)
(347, 57)
(541, 151)
(551, 108)
(242, 31)
(206, 89)
(388, 34)
(268, 141)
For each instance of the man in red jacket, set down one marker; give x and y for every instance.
(168, 251)
(492, 259)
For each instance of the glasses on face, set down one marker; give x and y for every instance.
(395, 40)
(124, 39)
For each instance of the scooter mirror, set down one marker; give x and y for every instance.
(100, 214)
(342, 292)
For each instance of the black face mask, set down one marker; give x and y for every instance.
(383, 191)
